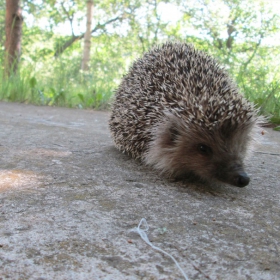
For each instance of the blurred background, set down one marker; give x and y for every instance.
(74, 53)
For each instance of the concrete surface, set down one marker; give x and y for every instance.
(68, 200)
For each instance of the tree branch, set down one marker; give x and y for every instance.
(69, 17)
(245, 65)
(59, 50)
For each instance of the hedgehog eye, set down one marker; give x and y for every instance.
(204, 150)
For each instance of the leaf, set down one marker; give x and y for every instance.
(53, 91)
(81, 97)
(32, 82)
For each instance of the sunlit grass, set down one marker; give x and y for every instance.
(57, 88)
(60, 82)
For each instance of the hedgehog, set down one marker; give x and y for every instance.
(178, 111)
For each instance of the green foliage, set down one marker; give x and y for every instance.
(60, 82)
(240, 34)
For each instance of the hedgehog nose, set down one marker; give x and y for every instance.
(242, 180)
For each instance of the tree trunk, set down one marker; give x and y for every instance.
(87, 41)
(13, 22)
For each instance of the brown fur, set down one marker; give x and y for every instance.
(174, 150)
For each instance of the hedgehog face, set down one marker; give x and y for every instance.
(179, 150)
(218, 163)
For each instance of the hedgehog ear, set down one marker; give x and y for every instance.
(170, 133)
(173, 133)
(227, 129)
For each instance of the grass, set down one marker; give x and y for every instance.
(57, 87)
(61, 83)
(265, 95)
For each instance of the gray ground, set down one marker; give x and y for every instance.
(68, 200)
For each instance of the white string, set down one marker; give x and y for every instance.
(142, 233)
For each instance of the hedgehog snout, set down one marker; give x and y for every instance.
(242, 179)
(233, 174)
